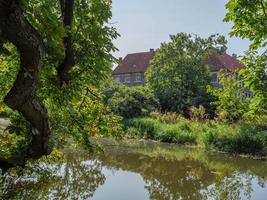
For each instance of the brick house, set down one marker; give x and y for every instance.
(131, 70)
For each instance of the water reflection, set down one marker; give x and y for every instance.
(71, 178)
(168, 173)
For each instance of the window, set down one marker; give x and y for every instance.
(134, 66)
(118, 79)
(138, 77)
(127, 78)
(214, 77)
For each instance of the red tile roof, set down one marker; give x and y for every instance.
(139, 62)
(224, 61)
(134, 63)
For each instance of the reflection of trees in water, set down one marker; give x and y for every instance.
(190, 177)
(172, 175)
(232, 188)
(70, 179)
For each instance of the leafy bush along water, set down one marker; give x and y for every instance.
(130, 102)
(244, 141)
(149, 128)
(238, 138)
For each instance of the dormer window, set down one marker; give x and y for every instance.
(134, 66)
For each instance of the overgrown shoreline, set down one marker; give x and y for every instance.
(241, 139)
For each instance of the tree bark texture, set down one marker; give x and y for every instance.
(15, 28)
(67, 7)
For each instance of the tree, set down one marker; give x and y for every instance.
(256, 79)
(179, 74)
(250, 22)
(63, 49)
(231, 102)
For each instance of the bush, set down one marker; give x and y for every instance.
(198, 114)
(130, 102)
(231, 104)
(148, 128)
(243, 141)
(168, 117)
(175, 134)
(233, 138)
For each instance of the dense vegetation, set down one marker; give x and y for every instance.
(56, 58)
(179, 74)
(243, 137)
(53, 57)
(129, 102)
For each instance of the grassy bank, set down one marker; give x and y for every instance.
(232, 138)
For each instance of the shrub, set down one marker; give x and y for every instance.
(175, 134)
(168, 117)
(231, 104)
(233, 138)
(147, 127)
(243, 141)
(130, 102)
(153, 129)
(198, 114)
(133, 132)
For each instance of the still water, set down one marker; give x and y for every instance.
(141, 171)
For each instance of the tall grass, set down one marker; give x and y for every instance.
(232, 138)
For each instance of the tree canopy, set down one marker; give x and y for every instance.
(56, 53)
(250, 22)
(179, 74)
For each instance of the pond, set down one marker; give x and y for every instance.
(144, 170)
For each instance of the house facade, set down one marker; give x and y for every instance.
(131, 70)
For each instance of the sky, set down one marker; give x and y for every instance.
(145, 24)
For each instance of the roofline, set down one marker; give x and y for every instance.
(139, 53)
(128, 72)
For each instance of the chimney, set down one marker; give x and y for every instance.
(120, 60)
(152, 51)
(234, 55)
(223, 49)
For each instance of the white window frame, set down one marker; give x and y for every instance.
(127, 78)
(140, 77)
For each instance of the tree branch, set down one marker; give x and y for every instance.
(68, 62)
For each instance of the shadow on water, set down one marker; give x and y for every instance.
(167, 172)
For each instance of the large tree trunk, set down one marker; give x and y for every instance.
(15, 28)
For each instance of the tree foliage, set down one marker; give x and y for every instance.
(179, 73)
(231, 103)
(256, 79)
(130, 102)
(250, 20)
(73, 102)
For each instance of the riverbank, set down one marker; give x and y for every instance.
(238, 138)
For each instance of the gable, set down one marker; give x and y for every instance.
(134, 63)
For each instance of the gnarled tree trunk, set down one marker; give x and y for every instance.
(15, 28)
